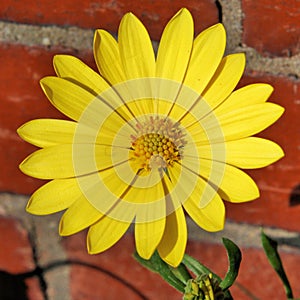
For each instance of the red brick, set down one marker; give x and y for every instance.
(272, 27)
(22, 100)
(107, 14)
(277, 181)
(16, 256)
(15, 250)
(87, 283)
(255, 273)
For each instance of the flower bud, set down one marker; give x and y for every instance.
(203, 287)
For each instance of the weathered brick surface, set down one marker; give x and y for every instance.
(16, 257)
(272, 27)
(117, 273)
(277, 181)
(255, 274)
(15, 250)
(107, 14)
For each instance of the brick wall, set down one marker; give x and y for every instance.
(31, 32)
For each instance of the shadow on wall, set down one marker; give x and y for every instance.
(13, 286)
(295, 196)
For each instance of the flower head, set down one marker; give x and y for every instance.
(149, 137)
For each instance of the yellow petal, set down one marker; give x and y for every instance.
(79, 104)
(145, 189)
(136, 49)
(50, 132)
(239, 123)
(148, 235)
(224, 80)
(247, 153)
(140, 193)
(53, 196)
(208, 50)
(80, 215)
(49, 163)
(104, 234)
(248, 95)
(113, 188)
(74, 70)
(107, 56)
(172, 246)
(198, 197)
(66, 96)
(67, 160)
(252, 153)
(234, 185)
(175, 47)
(211, 217)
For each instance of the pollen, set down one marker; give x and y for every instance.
(158, 145)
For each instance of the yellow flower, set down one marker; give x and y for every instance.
(150, 137)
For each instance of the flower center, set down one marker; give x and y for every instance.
(158, 144)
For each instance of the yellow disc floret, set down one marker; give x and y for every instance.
(153, 150)
(158, 145)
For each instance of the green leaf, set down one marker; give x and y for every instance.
(181, 273)
(270, 247)
(157, 265)
(196, 267)
(234, 258)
